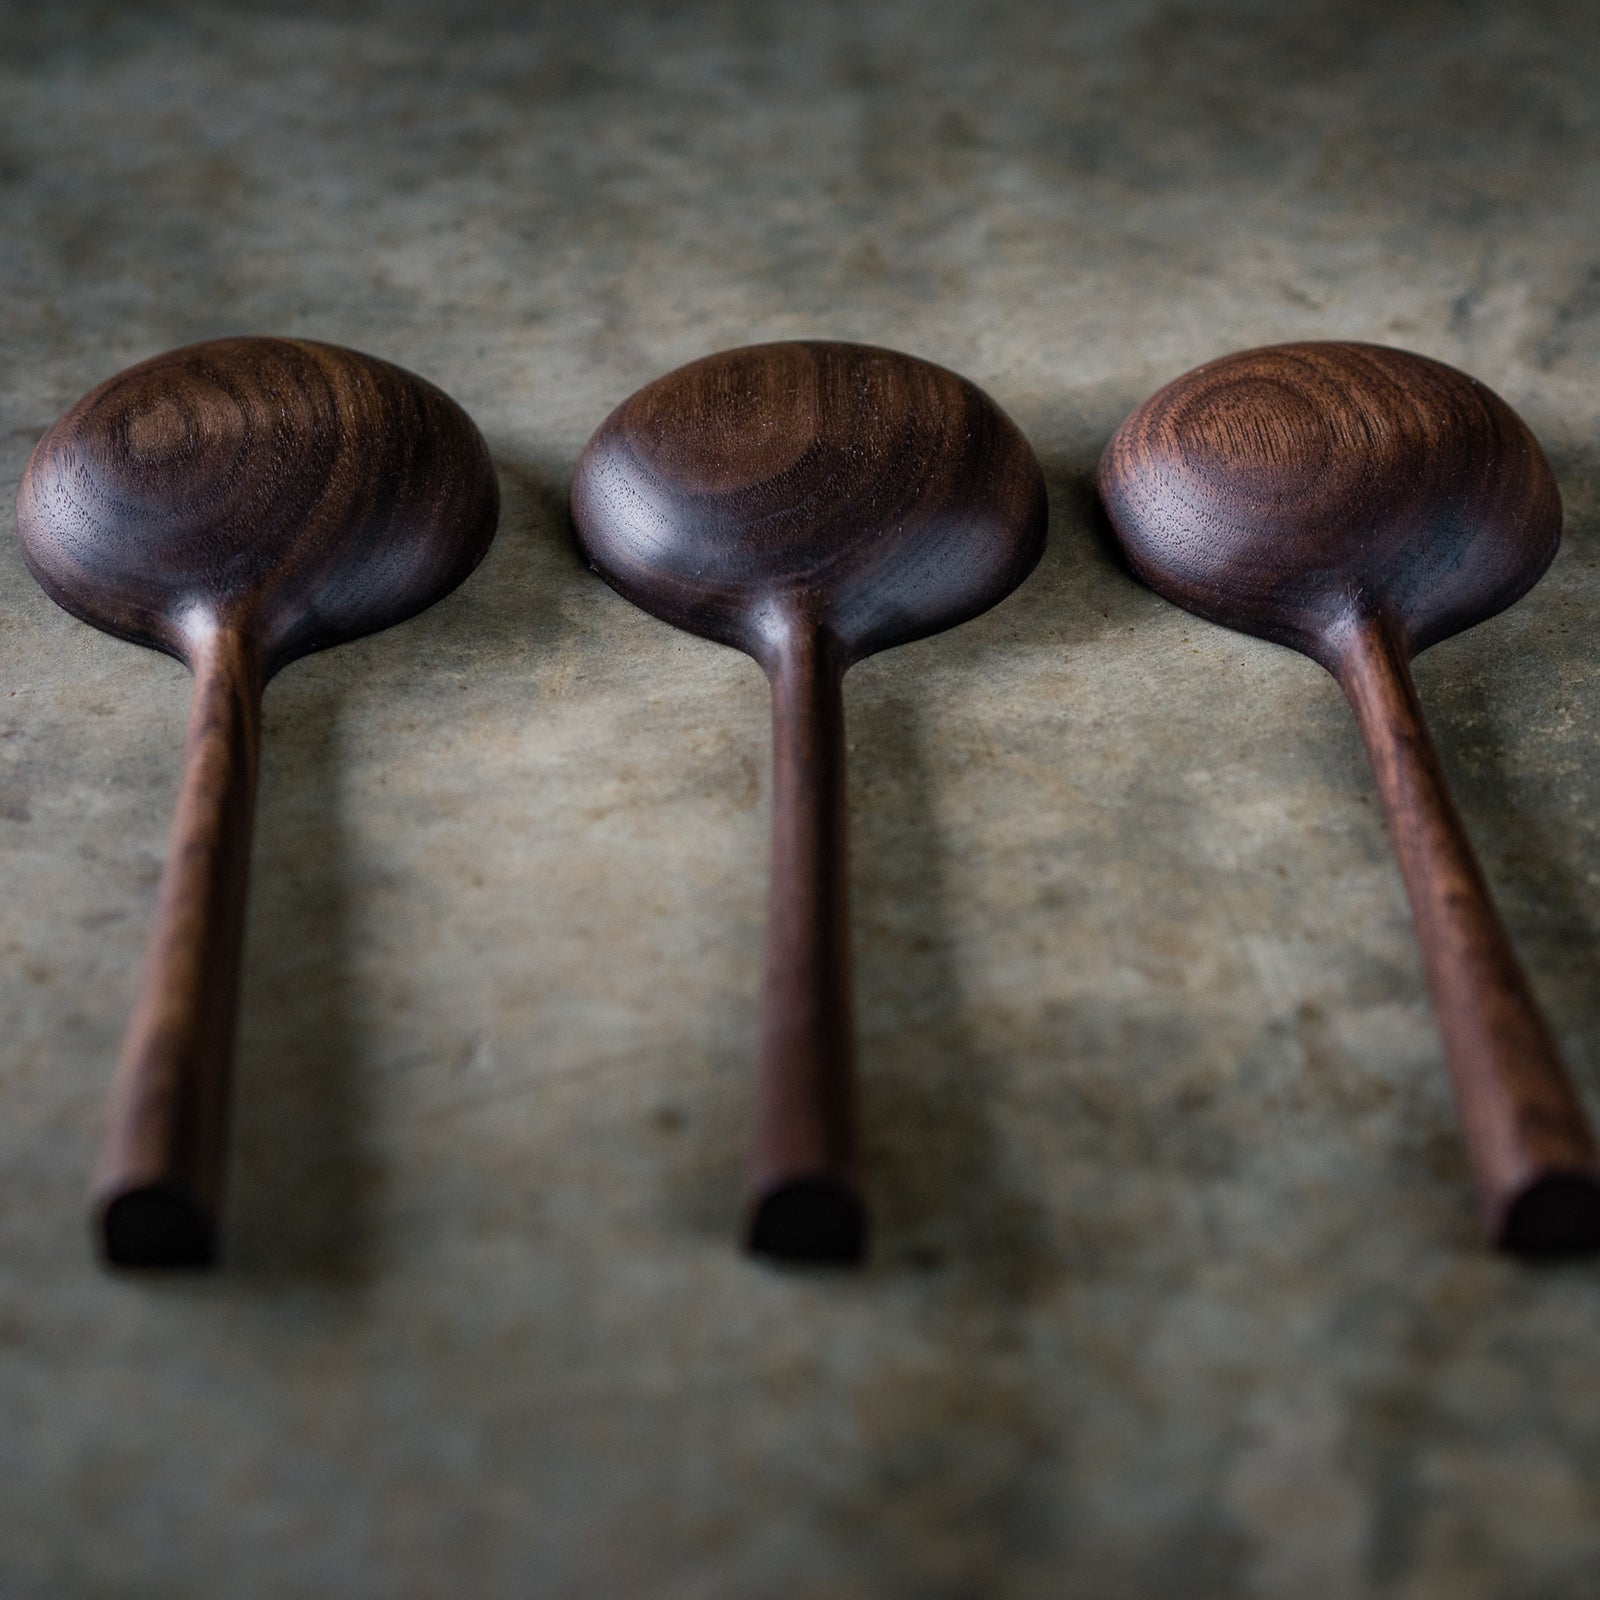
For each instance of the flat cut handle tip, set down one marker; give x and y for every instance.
(1557, 1214)
(155, 1226)
(808, 1222)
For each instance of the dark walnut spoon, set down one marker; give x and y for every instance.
(809, 504)
(237, 505)
(1359, 504)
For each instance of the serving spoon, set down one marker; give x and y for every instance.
(1358, 504)
(235, 504)
(810, 504)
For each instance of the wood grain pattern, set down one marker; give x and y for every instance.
(236, 504)
(1359, 504)
(809, 503)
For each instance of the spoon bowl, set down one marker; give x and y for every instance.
(235, 504)
(878, 497)
(1359, 504)
(1280, 490)
(809, 503)
(302, 493)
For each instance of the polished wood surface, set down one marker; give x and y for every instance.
(1359, 504)
(809, 503)
(236, 504)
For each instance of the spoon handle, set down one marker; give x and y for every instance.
(1532, 1155)
(801, 1194)
(158, 1185)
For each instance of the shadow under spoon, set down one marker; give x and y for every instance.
(1358, 504)
(810, 504)
(237, 505)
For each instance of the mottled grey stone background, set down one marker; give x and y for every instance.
(1176, 1290)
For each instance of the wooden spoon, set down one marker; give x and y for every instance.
(235, 504)
(809, 504)
(1359, 504)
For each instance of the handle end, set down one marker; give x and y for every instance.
(808, 1222)
(1557, 1214)
(155, 1225)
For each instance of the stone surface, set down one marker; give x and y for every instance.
(1176, 1288)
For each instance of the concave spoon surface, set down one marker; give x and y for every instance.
(1359, 504)
(809, 503)
(235, 504)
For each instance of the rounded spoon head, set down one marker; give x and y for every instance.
(300, 492)
(877, 496)
(1283, 491)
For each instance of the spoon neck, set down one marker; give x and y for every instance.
(796, 649)
(1368, 655)
(807, 753)
(1368, 651)
(219, 651)
(1373, 667)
